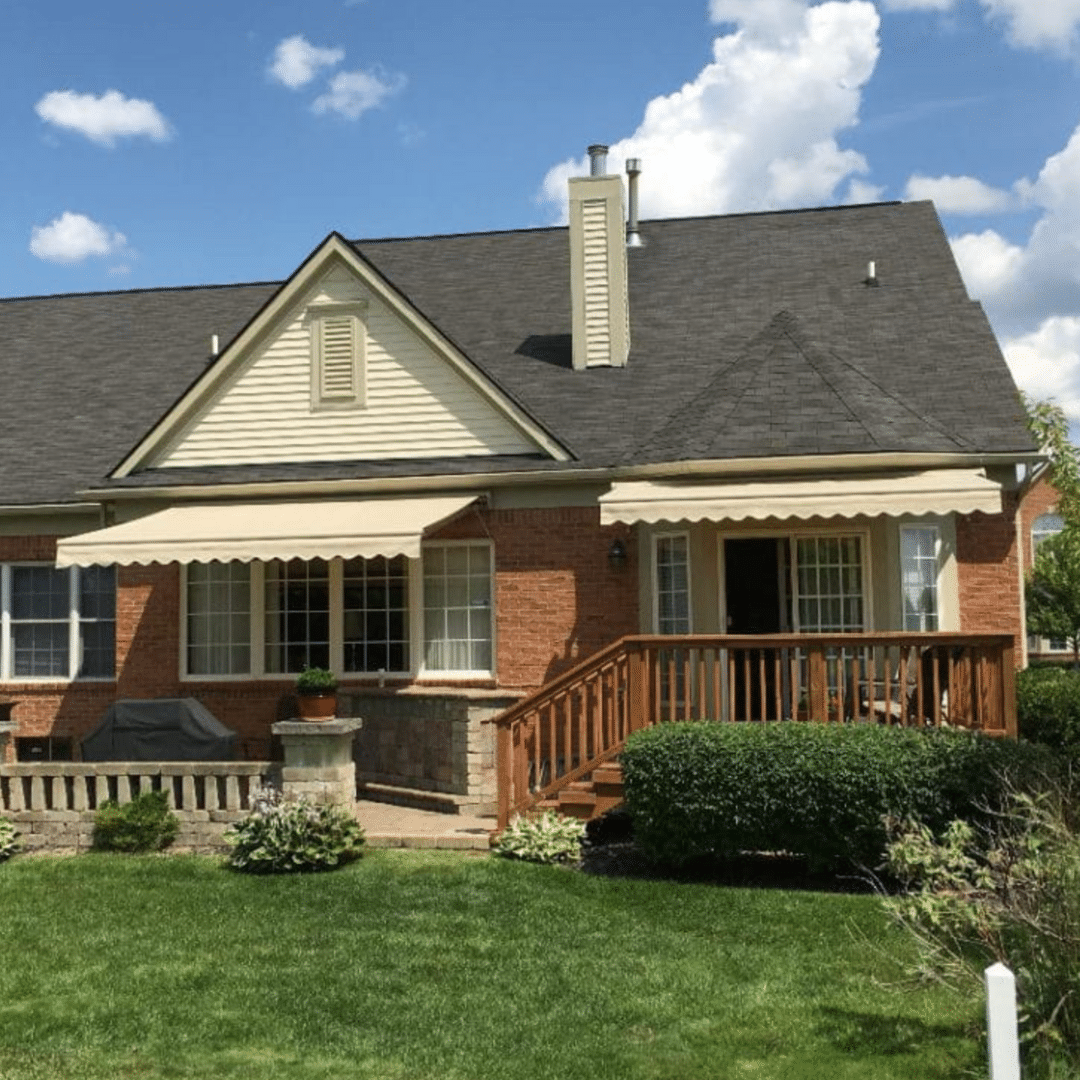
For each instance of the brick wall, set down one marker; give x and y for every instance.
(988, 573)
(1041, 498)
(557, 599)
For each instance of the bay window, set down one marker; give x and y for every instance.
(374, 616)
(57, 624)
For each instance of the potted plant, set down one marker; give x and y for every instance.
(316, 693)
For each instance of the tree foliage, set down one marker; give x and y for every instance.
(1052, 596)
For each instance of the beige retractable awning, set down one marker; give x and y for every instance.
(283, 530)
(941, 491)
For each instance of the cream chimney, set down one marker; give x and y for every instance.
(601, 313)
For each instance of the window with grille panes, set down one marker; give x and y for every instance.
(1042, 528)
(829, 579)
(57, 623)
(918, 576)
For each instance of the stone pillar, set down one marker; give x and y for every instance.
(7, 734)
(319, 760)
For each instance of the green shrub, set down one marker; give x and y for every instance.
(543, 838)
(280, 837)
(144, 824)
(1048, 707)
(9, 843)
(1007, 891)
(820, 790)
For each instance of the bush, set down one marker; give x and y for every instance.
(280, 837)
(1048, 707)
(544, 838)
(144, 824)
(1008, 891)
(820, 790)
(9, 843)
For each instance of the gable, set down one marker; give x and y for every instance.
(338, 367)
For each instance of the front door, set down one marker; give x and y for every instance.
(753, 571)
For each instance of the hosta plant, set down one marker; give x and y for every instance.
(9, 844)
(288, 837)
(542, 838)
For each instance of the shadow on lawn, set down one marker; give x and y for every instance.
(610, 851)
(866, 1033)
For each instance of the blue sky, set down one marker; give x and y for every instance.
(187, 143)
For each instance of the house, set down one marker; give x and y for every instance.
(454, 467)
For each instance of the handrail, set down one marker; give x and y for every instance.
(581, 718)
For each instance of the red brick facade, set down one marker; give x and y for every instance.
(988, 573)
(557, 599)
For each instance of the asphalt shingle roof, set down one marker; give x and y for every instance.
(751, 335)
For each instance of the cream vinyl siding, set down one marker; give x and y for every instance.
(413, 403)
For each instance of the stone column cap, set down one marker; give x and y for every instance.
(336, 726)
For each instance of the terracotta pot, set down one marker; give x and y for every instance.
(317, 706)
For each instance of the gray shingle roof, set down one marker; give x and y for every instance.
(751, 335)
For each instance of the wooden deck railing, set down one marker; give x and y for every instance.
(583, 717)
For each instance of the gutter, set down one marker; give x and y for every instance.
(733, 468)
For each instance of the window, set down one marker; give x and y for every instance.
(57, 624)
(918, 576)
(672, 559)
(376, 614)
(829, 583)
(338, 355)
(1042, 528)
(218, 618)
(457, 608)
(355, 616)
(297, 604)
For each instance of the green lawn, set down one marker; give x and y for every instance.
(440, 966)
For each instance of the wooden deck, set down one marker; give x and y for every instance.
(561, 733)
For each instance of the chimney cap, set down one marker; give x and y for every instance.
(598, 159)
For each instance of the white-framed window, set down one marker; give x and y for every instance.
(457, 608)
(1042, 528)
(377, 616)
(218, 618)
(57, 624)
(919, 550)
(828, 580)
(338, 355)
(671, 583)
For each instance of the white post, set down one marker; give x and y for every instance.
(1001, 1031)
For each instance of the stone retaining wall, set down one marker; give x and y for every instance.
(52, 804)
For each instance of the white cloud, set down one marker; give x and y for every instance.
(352, 93)
(757, 128)
(859, 191)
(296, 61)
(918, 5)
(958, 194)
(103, 119)
(1038, 24)
(1046, 362)
(71, 238)
(989, 264)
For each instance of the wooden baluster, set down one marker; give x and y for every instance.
(717, 688)
(1006, 715)
(886, 664)
(871, 688)
(731, 685)
(818, 677)
(778, 690)
(503, 777)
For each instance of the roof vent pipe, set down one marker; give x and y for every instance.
(633, 171)
(871, 273)
(598, 159)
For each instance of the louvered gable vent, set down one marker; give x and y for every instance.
(338, 374)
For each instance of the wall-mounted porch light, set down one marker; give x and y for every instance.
(617, 553)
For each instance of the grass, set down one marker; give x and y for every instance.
(441, 966)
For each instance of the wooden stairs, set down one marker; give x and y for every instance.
(589, 798)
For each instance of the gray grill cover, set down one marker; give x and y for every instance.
(162, 729)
